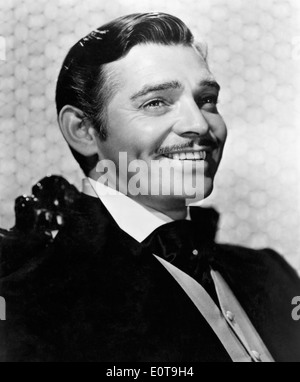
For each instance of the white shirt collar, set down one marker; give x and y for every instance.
(137, 220)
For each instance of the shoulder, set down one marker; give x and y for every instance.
(261, 272)
(265, 285)
(256, 259)
(83, 235)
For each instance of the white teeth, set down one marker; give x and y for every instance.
(190, 156)
(196, 155)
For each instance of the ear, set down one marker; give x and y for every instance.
(77, 130)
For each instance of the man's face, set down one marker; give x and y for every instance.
(165, 110)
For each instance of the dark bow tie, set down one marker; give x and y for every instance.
(188, 244)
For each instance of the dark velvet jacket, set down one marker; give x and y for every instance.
(95, 295)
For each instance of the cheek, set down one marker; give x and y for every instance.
(145, 137)
(218, 127)
(136, 142)
(138, 135)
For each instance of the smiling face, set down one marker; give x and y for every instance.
(165, 110)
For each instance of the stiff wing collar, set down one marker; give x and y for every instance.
(129, 214)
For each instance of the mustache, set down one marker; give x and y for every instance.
(207, 142)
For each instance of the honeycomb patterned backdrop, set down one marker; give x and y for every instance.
(254, 52)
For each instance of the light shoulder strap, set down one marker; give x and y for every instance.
(239, 320)
(210, 312)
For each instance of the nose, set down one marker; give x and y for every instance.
(191, 120)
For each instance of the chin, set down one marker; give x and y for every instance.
(201, 193)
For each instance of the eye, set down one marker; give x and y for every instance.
(154, 104)
(208, 103)
(156, 107)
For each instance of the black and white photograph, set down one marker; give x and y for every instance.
(149, 183)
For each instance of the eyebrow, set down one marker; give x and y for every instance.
(169, 86)
(156, 88)
(210, 83)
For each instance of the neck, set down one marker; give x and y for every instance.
(176, 210)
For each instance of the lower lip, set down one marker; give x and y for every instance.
(184, 160)
(208, 155)
(181, 162)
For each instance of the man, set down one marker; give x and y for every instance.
(135, 275)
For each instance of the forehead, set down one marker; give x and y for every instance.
(152, 63)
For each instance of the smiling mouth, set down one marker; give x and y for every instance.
(188, 155)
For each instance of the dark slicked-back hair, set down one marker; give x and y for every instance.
(82, 81)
